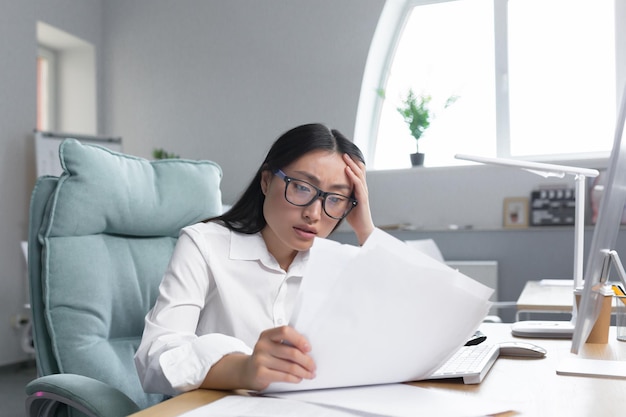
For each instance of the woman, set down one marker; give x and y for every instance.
(220, 320)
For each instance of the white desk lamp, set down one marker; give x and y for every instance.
(552, 329)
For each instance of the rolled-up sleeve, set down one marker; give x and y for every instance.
(184, 367)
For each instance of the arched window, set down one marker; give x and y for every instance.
(530, 79)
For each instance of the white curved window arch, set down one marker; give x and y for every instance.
(534, 79)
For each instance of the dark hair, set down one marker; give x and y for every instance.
(246, 215)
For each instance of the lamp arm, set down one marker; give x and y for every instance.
(619, 267)
(579, 230)
(556, 170)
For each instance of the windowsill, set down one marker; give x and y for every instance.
(599, 161)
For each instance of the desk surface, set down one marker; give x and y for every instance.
(530, 386)
(537, 296)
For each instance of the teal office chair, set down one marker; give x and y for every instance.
(100, 238)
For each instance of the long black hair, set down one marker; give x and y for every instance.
(246, 215)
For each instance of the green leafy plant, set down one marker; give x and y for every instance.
(416, 112)
(160, 153)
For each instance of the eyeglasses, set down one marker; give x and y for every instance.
(301, 193)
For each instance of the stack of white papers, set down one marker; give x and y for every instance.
(397, 400)
(239, 406)
(393, 400)
(382, 313)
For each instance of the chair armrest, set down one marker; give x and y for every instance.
(90, 396)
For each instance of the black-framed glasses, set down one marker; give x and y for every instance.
(301, 193)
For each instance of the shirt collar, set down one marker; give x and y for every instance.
(252, 247)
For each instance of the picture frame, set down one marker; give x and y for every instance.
(515, 212)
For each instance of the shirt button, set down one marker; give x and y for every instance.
(280, 322)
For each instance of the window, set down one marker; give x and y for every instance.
(533, 79)
(45, 89)
(561, 76)
(66, 82)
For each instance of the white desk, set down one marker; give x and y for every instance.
(530, 386)
(537, 297)
(542, 297)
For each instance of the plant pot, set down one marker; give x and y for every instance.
(417, 159)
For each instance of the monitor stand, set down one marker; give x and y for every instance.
(543, 329)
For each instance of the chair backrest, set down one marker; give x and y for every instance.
(100, 238)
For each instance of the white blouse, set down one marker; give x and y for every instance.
(219, 292)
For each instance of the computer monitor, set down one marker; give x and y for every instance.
(604, 236)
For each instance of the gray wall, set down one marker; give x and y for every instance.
(17, 103)
(221, 80)
(18, 49)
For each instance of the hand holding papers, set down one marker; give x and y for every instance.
(382, 313)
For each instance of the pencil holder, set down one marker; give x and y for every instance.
(600, 331)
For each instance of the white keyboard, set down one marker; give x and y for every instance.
(470, 363)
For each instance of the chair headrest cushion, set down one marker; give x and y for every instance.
(101, 191)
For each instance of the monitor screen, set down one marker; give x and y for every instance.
(604, 235)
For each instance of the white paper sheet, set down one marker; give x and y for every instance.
(399, 400)
(393, 400)
(240, 406)
(428, 246)
(382, 313)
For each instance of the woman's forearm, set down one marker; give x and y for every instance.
(226, 374)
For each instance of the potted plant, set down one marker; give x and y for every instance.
(417, 114)
(160, 153)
